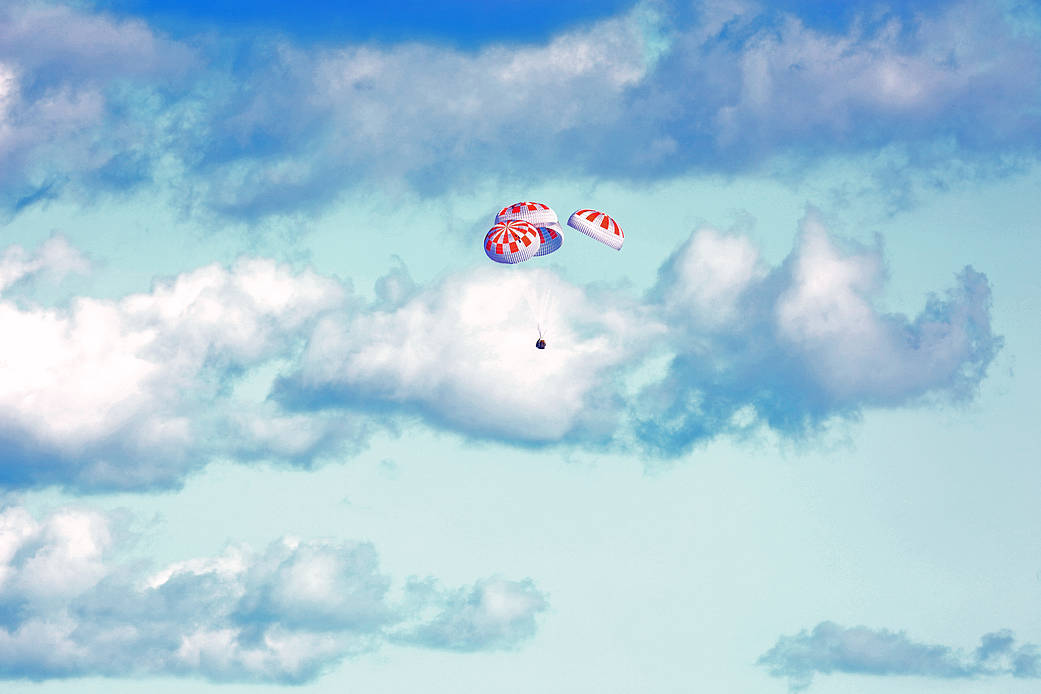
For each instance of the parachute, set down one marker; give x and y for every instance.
(597, 225)
(534, 212)
(512, 242)
(540, 216)
(552, 236)
(525, 230)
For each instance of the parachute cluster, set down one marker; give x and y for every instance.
(524, 230)
(528, 229)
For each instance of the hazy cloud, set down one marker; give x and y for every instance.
(55, 258)
(797, 344)
(493, 614)
(69, 608)
(78, 96)
(831, 648)
(265, 125)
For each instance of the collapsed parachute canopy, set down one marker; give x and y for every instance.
(513, 241)
(599, 226)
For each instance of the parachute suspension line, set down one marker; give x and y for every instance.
(539, 300)
(532, 300)
(544, 308)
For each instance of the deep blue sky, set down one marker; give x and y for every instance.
(459, 22)
(463, 23)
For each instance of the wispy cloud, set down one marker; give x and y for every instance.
(54, 259)
(78, 91)
(831, 648)
(266, 125)
(70, 608)
(492, 614)
(262, 362)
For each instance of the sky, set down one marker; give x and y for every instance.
(270, 420)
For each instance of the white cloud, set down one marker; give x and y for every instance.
(62, 70)
(68, 608)
(828, 316)
(261, 362)
(402, 110)
(494, 613)
(796, 345)
(111, 380)
(832, 648)
(710, 275)
(462, 354)
(90, 102)
(53, 560)
(55, 258)
(795, 80)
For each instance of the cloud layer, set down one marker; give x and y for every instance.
(68, 608)
(259, 361)
(126, 394)
(264, 125)
(859, 650)
(795, 345)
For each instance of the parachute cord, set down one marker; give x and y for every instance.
(547, 305)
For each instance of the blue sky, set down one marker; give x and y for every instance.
(270, 418)
(459, 22)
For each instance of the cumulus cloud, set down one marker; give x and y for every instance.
(460, 354)
(127, 393)
(798, 344)
(69, 608)
(830, 648)
(258, 361)
(745, 345)
(265, 125)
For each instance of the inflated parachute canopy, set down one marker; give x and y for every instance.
(542, 217)
(512, 241)
(535, 212)
(551, 237)
(599, 226)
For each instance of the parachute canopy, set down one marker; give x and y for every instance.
(535, 212)
(541, 217)
(551, 238)
(512, 241)
(599, 226)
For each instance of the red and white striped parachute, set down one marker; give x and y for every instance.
(551, 237)
(541, 216)
(599, 226)
(526, 229)
(512, 241)
(535, 212)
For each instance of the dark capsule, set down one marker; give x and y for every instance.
(541, 344)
